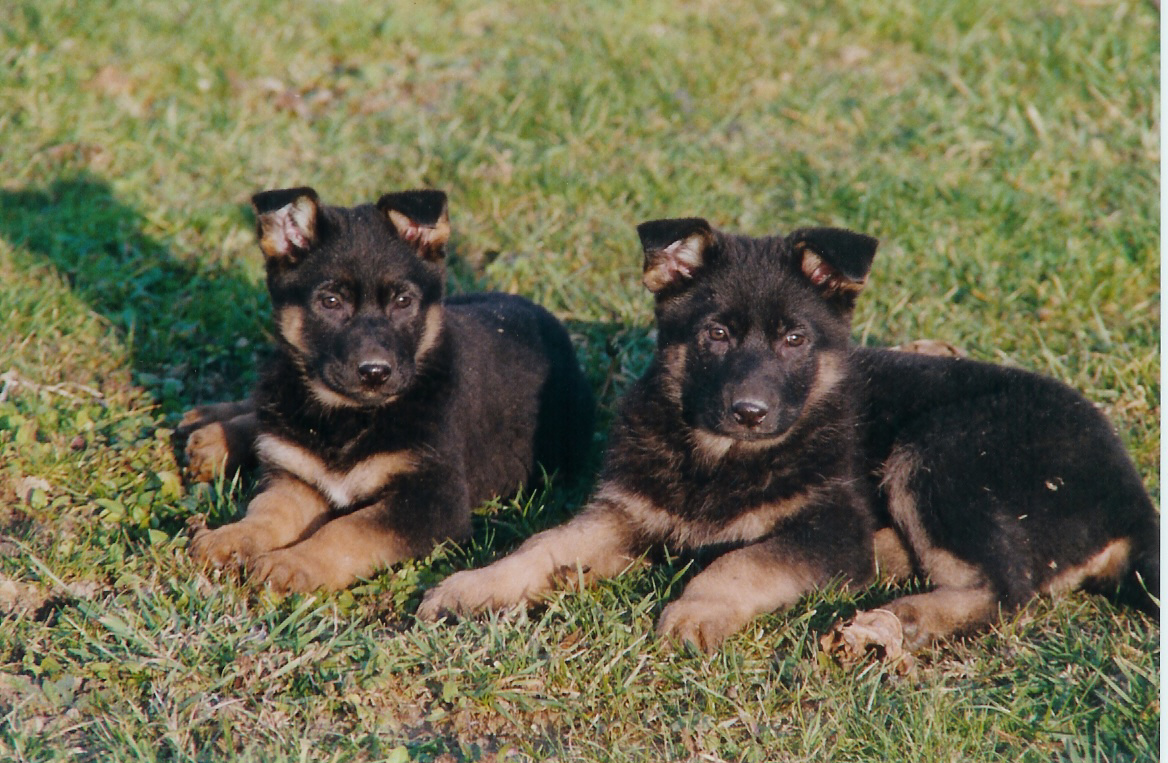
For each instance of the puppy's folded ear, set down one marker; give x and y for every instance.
(836, 261)
(420, 219)
(675, 250)
(286, 222)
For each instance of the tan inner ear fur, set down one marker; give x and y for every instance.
(426, 237)
(290, 227)
(678, 260)
(824, 275)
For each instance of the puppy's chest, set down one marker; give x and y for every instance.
(345, 481)
(692, 488)
(675, 495)
(695, 519)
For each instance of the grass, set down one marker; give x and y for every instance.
(1006, 155)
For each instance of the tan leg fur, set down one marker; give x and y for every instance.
(278, 516)
(341, 551)
(594, 545)
(892, 559)
(734, 589)
(942, 613)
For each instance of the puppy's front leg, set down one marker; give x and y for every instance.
(735, 588)
(598, 543)
(335, 556)
(220, 438)
(285, 510)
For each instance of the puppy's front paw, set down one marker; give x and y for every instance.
(463, 593)
(230, 546)
(703, 623)
(295, 570)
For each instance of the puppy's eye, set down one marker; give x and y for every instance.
(795, 339)
(718, 334)
(331, 302)
(402, 301)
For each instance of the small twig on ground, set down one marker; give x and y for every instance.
(12, 380)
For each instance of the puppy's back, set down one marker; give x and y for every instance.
(1014, 468)
(518, 375)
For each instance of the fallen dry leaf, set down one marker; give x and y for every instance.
(875, 633)
(16, 596)
(931, 347)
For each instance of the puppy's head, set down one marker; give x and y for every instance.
(356, 292)
(752, 332)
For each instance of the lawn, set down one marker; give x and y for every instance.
(1006, 154)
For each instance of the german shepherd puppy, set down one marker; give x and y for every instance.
(759, 428)
(386, 412)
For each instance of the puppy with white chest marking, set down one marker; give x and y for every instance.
(740, 435)
(760, 428)
(387, 411)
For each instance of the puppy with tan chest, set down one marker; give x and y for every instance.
(739, 436)
(758, 430)
(387, 412)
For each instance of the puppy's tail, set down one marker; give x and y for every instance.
(1141, 589)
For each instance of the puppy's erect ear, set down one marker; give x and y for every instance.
(674, 251)
(286, 222)
(835, 260)
(420, 218)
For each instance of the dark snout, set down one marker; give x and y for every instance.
(749, 412)
(366, 365)
(374, 373)
(371, 353)
(752, 405)
(752, 409)
(375, 369)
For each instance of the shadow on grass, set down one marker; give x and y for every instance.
(183, 322)
(193, 329)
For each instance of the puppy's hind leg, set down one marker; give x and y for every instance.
(219, 438)
(208, 414)
(942, 613)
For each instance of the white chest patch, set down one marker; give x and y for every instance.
(661, 524)
(342, 489)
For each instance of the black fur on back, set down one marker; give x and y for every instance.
(1019, 473)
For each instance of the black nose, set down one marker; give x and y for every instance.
(749, 413)
(374, 373)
